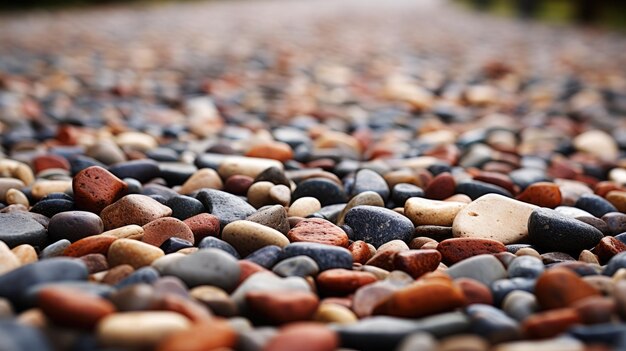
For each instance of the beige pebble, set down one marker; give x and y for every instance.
(365, 198)
(131, 231)
(160, 263)
(247, 237)
(249, 166)
(259, 194)
(494, 217)
(25, 253)
(432, 212)
(463, 342)
(202, 178)
(558, 344)
(588, 257)
(42, 188)
(132, 252)
(333, 313)
(304, 206)
(139, 329)
(597, 143)
(216, 299)
(16, 169)
(8, 184)
(33, 317)
(527, 251)
(16, 197)
(280, 194)
(136, 141)
(8, 260)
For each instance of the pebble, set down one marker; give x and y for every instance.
(8, 260)
(368, 180)
(594, 204)
(318, 230)
(16, 197)
(560, 288)
(247, 237)
(273, 216)
(542, 194)
(441, 187)
(483, 268)
(326, 256)
(432, 212)
(139, 329)
(217, 300)
(458, 249)
(20, 228)
(95, 188)
(132, 252)
(495, 217)
(72, 308)
(74, 225)
(202, 178)
(550, 323)
(280, 308)
(377, 226)
(206, 267)
(184, 207)
(212, 242)
(297, 266)
(304, 206)
(203, 225)
(133, 209)
(267, 281)
(551, 230)
(607, 248)
(342, 281)
(493, 324)
(417, 262)
(315, 336)
(227, 207)
(248, 166)
(325, 191)
(25, 254)
(161, 229)
(525, 267)
(210, 335)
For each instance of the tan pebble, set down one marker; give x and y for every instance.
(131, 231)
(379, 273)
(136, 141)
(431, 212)
(7, 184)
(216, 299)
(247, 236)
(459, 198)
(618, 199)
(133, 209)
(430, 246)
(132, 252)
(248, 166)
(556, 344)
(417, 243)
(139, 329)
(588, 257)
(365, 198)
(304, 206)
(160, 263)
(42, 188)
(463, 342)
(494, 217)
(620, 274)
(280, 194)
(527, 251)
(334, 313)
(33, 317)
(187, 250)
(8, 260)
(25, 253)
(15, 196)
(602, 283)
(202, 178)
(259, 194)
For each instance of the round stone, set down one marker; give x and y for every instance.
(132, 252)
(247, 236)
(74, 225)
(133, 209)
(377, 226)
(551, 230)
(206, 267)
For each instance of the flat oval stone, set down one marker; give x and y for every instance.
(417, 262)
(266, 256)
(95, 188)
(368, 180)
(441, 187)
(377, 226)
(267, 281)
(202, 178)
(212, 242)
(432, 212)
(142, 170)
(55, 249)
(304, 207)
(184, 207)
(274, 175)
(206, 267)
(20, 228)
(560, 288)
(594, 204)
(161, 229)
(50, 207)
(326, 256)
(133, 209)
(14, 284)
(273, 216)
(277, 308)
(8, 260)
(475, 291)
(238, 184)
(139, 329)
(73, 308)
(458, 249)
(542, 194)
(483, 268)
(551, 230)
(132, 252)
(318, 230)
(227, 207)
(326, 191)
(297, 266)
(343, 281)
(520, 304)
(248, 166)
(525, 267)
(246, 236)
(97, 244)
(74, 225)
(494, 217)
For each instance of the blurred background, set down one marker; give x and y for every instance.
(606, 13)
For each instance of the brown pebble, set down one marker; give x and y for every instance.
(196, 312)
(417, 262)
(417, 243)
(457, 249)
(248, 268)
(342, 281)
(273, 150)
(97, 244)
(550, 323)
(441, 187)
(95, 262)
(475, 291)
(607, 248)
(385, 254)
(318, 230)
(116, 274)
(73, 308)
(595, 309)
(278, 307)
(161, 229)
(360, 251)
(560, 287)
(210, 335)
(133, 209)
(43, 162)
(203, 225)
(238, 184)
(25, 253)
(543, 194)
(304, 336)
(96, 188)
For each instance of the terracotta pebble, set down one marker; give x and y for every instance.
(458, 249)
(304, 336)
(542, 194)
(133, 209)
(90, 245)
(550, 323)
(560, 287)
(161, 229)
(607, 248)
(203, 225)
(317, 230)
(72, 308)
(342, 281)
(441, 187)
(96, 188)
(211, 335)
(361, 252)
(278, 307)
(417, 262)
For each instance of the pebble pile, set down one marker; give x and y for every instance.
(313, 176)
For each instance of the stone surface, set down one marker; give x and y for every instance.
(318, 230)
(95, 188)
(18, 229)
(133, 209)
(432, 212)
(377, 226)
(247, 236)
(458, 249)
(132, 252)
(551, 230)
(139, 329)
(206, 267)
(161, 229)
(74, 225)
